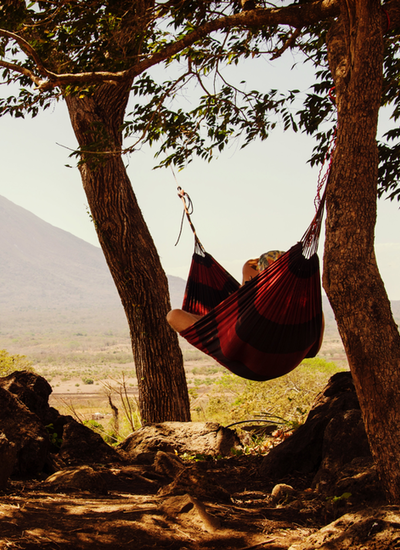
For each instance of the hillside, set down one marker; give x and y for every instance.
(44, 267)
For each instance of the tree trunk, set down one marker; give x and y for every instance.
(130, 252)
(351, 276)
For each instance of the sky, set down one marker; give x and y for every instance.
(246, 202)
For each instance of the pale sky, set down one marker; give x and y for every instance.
(246, 202)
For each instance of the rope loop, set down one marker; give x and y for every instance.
(188, 210)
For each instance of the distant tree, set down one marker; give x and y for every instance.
(95, 54)
(11, 363)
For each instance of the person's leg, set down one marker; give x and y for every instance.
(179, 320)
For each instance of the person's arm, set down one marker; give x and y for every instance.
(250, 270)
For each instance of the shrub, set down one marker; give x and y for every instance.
(95, 426)
(290, 397)
(10, 363)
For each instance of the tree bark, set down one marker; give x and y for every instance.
(351, 277)
(130, 252)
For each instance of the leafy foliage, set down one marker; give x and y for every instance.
(219, 116)
(54, 438)
(11, 363)
(74, 37)
(289, 397)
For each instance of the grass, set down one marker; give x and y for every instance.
(233, 399)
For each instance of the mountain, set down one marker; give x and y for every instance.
(42, 267)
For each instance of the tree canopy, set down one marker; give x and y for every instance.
(76, 45)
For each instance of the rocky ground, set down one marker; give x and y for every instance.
(179, 486)
(132, 511)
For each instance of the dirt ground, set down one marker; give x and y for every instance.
(131, 514)
(130, 509)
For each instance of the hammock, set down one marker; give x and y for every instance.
(264, 329)
(208, 283)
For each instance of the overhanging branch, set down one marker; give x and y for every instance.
(29, 51)
(22, 70)
(295, 15)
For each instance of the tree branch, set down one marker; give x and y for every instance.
(295, 15)
(29, 51)
(288, 44)
(22, 70)
(54, 79)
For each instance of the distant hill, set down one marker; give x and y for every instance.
(42, 267)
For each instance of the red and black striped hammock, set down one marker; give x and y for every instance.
(264, 329)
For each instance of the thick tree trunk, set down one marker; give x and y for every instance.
(351, 276)
(130, 252)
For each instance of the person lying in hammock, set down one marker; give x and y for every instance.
(180, 320)
(252, 267)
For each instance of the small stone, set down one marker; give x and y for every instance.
(282, 492)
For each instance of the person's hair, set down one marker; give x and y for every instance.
(268, 258)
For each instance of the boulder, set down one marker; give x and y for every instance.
(344, 440)
(83, 478)
(8, 456)
(37, 429)
(367, 529)
(26, 431)
(31, 389)
(205, 438)
(303, 451)
(81, 445)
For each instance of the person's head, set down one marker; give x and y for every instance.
(268, 258)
